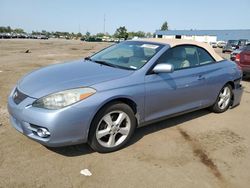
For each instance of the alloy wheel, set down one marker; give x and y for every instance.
(224, 98)
(113, 129)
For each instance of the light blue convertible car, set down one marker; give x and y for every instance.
(102, 99)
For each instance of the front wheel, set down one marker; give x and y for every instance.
(112, 127)
(223, 100)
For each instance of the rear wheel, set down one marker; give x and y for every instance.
(112, 127)
(223, 100)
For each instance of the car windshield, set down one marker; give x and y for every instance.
(246, 48)
(243, 42)
(127, 55)
(233, 42)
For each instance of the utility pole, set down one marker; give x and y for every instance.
(104, 22)
(79, 28)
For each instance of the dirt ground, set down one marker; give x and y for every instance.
(196, 150)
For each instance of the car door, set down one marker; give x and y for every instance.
(212, 73)
(181, 90)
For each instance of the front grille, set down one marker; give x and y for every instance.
(18, 96)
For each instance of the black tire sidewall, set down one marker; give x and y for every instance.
(117, 106)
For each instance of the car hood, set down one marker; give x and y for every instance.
(69, 75)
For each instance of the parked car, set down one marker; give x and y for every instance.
(5, 35)
(221, 44)
(243, 60)
(91, 39)
(230, 46)
(234, 53)
(102, 99)
(242, 43)
(42, 37)
(213, 44)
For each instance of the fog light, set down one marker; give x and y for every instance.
(42, 132)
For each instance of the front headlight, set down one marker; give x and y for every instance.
(64, 98)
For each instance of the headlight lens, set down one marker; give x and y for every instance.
(64, 98)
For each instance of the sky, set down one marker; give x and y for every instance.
(146, 15)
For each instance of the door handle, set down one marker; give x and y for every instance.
(201, 77)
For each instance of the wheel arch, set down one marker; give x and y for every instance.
(231, 83)
(131, 103)
(121, 99)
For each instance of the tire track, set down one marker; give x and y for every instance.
(204, 158)
(246, 91)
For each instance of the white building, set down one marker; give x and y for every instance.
(186, 34)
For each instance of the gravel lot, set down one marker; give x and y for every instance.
(199, 149)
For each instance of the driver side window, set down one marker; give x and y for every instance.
(180, 57)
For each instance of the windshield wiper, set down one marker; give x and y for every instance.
(98, 61)
(104, 63)
(107, 64)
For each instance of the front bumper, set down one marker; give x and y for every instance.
(67, 126)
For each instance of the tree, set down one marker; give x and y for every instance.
(9, 29)
(18, 30)
(36, 33)
(6, 29)
(100, 35)
(87, 34)
(79, 35)
(121, 32)
(46, 33)
(73, 35)
(164, 26)
(149, 35)
(139, 34)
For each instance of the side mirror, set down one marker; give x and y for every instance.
(163, 68)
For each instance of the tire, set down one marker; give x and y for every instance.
(112, 128)
(223, 100)
(245, 76)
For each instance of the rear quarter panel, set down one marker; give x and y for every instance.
(217, 75)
